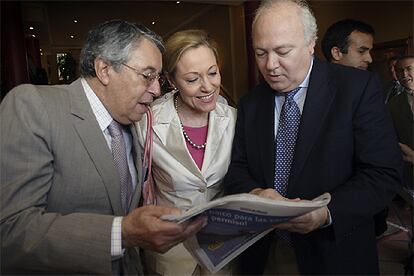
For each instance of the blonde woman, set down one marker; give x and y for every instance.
(193, 136)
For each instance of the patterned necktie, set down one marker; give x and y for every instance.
(285, 147)
(121, 163)
(285, 141)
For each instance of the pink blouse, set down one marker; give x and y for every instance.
(198, 135)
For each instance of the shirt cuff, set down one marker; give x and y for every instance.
(116, 239)
(329, 222)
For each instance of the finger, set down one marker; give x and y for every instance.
(158, 211)
(194, 226)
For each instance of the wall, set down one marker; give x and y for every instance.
(391, 20)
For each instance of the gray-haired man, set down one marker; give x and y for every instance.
(61, 207)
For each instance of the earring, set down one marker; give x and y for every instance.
(175, 90)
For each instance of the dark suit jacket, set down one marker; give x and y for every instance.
(59, 186)
(345, 146)
(403, 120)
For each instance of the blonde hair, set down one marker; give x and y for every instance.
(180, 42)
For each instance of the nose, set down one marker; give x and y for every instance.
(154, 88)
(405, 73)
(369, 58)
(206, 85)
(272, 62)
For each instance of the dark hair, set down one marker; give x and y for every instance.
(338, 33)
(404, 57)
(113, 42)
(401, 58)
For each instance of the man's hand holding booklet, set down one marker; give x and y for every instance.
(237, 221)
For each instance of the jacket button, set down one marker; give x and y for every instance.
(202, 190)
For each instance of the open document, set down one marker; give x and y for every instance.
(237, 221)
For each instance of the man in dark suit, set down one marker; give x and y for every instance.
(344, 145)
(349, 42)
(402, 112)
(71, 171)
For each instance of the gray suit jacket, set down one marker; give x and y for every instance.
(59, 186)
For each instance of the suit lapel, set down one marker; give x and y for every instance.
(265, 132)
(406, 108)
(216, 127)
(317, 104)
(167, 128)
(90, 134)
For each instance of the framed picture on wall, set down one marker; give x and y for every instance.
(383, 51)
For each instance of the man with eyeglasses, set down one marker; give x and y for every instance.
(71, 173)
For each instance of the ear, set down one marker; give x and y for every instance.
(102, 69)
(312, 47)
(336, 53)
(171, 82)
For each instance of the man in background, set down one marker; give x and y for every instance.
(71, 171)
(394, 88)
(349, 42)
(312, 127)
(402, 111)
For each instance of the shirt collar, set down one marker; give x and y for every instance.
(305, 82)
(101, 113)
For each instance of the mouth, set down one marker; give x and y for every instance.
(275, 77)
(206, 97)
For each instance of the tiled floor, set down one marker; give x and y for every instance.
(396, 248)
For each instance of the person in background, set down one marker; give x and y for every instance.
(401, 108)
(312, 127)
(394, 88)
(349, 42)
(70, 170)
(193, 134)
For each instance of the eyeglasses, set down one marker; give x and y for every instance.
(148, 77)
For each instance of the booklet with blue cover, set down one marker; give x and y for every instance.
(237, 221)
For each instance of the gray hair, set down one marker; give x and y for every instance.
(113, 42)
(310, 28)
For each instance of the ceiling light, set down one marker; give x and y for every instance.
(40, 49)
(153, 22)
(31, 28)
(75, 21)
(41, 54)
(72, 36)
(33, 35)
(178, 2)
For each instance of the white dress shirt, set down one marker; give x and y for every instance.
(104, 120)
(299, 98)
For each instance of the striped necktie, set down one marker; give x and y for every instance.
(120, 159)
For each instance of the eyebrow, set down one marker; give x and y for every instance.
(364, 48)
(196, 73)
(283, 46)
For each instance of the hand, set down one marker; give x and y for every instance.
(408, 153)
(271, 193)
(144, 228)
(307, 222)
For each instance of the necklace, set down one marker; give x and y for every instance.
(187, 138)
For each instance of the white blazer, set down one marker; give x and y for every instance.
(179, 182)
